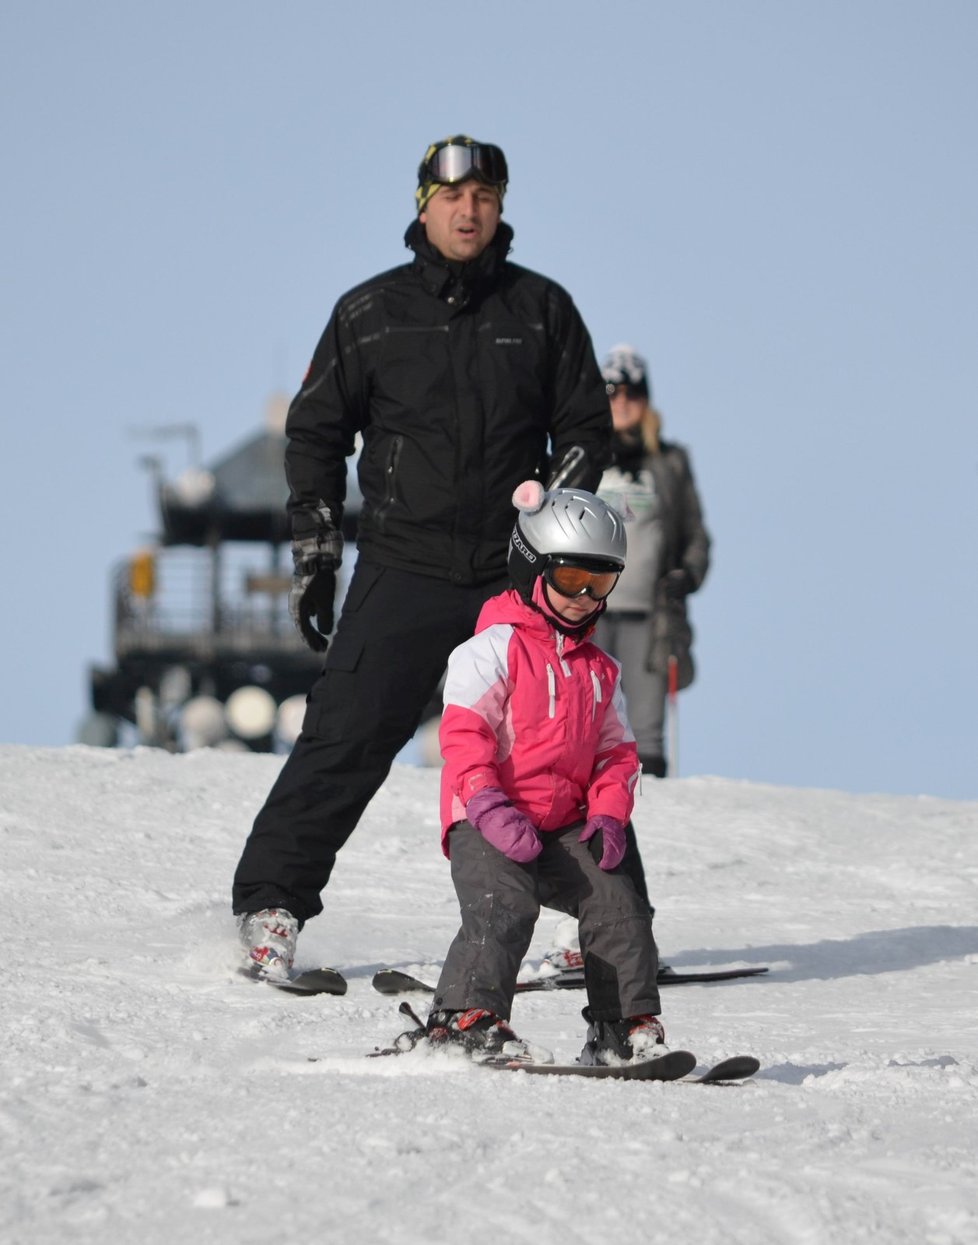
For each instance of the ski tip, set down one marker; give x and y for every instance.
(736, 1068)
(393, 981)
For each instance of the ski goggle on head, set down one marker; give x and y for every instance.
(574, 578)
(632, 392)
(455, 160)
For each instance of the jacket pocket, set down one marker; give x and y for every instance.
(334, 694)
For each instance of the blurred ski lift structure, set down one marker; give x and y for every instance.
(205, 651)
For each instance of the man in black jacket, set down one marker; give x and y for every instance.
(464, 374)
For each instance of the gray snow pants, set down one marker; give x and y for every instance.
(626, 637)
(500, 901)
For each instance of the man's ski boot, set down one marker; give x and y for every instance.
(269, 939)
(562, 961)
(634, 1039)
(564, 958)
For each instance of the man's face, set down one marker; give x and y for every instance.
(461, 220)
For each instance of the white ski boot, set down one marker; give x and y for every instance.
(269, 939)
(564, 958)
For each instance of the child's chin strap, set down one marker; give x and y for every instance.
(576, 631)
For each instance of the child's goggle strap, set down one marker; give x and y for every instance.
(574, 579)
(455, 162)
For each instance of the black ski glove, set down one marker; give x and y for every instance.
(316, 552)
(676, 585)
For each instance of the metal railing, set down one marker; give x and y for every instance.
(207, 604)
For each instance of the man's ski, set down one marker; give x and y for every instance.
(393, 981)
(677, 977)
(312, 981)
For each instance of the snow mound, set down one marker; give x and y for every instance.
(149, 1093)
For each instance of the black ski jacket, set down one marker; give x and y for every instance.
(464, 380)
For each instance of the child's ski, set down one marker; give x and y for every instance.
(670, 1067)
(674, 1066)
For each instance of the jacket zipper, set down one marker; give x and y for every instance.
(390, 472)
(596, 684)
(551, 691)
(565, 669)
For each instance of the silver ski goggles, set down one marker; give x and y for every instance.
(574, 578)
(452, 162)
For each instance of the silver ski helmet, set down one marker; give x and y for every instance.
(566, 524)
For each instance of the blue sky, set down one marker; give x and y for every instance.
(774, 201)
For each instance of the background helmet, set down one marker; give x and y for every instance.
(623, 365)
(569, 523)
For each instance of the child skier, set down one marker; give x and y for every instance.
(538, 781)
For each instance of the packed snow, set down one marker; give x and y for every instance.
(150, 1094)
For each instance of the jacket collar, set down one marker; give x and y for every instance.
(574, 634)
(535, 616)
(445, 278)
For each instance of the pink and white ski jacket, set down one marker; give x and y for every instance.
(538, 714)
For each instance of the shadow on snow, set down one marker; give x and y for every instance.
(876, 951)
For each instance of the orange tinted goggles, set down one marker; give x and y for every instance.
(572, 580)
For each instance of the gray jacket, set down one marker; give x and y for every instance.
(656, 494)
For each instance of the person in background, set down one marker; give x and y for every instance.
(651, 485)
(464, 374)
(537, 786)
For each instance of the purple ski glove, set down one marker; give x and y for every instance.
(612, 839)
(504, 826)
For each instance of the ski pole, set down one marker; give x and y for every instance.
(673, 705)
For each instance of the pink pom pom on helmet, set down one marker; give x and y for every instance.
(528, 496)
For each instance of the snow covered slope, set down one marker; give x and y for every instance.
(149, 1095)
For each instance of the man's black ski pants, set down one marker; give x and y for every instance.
(382, 669)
